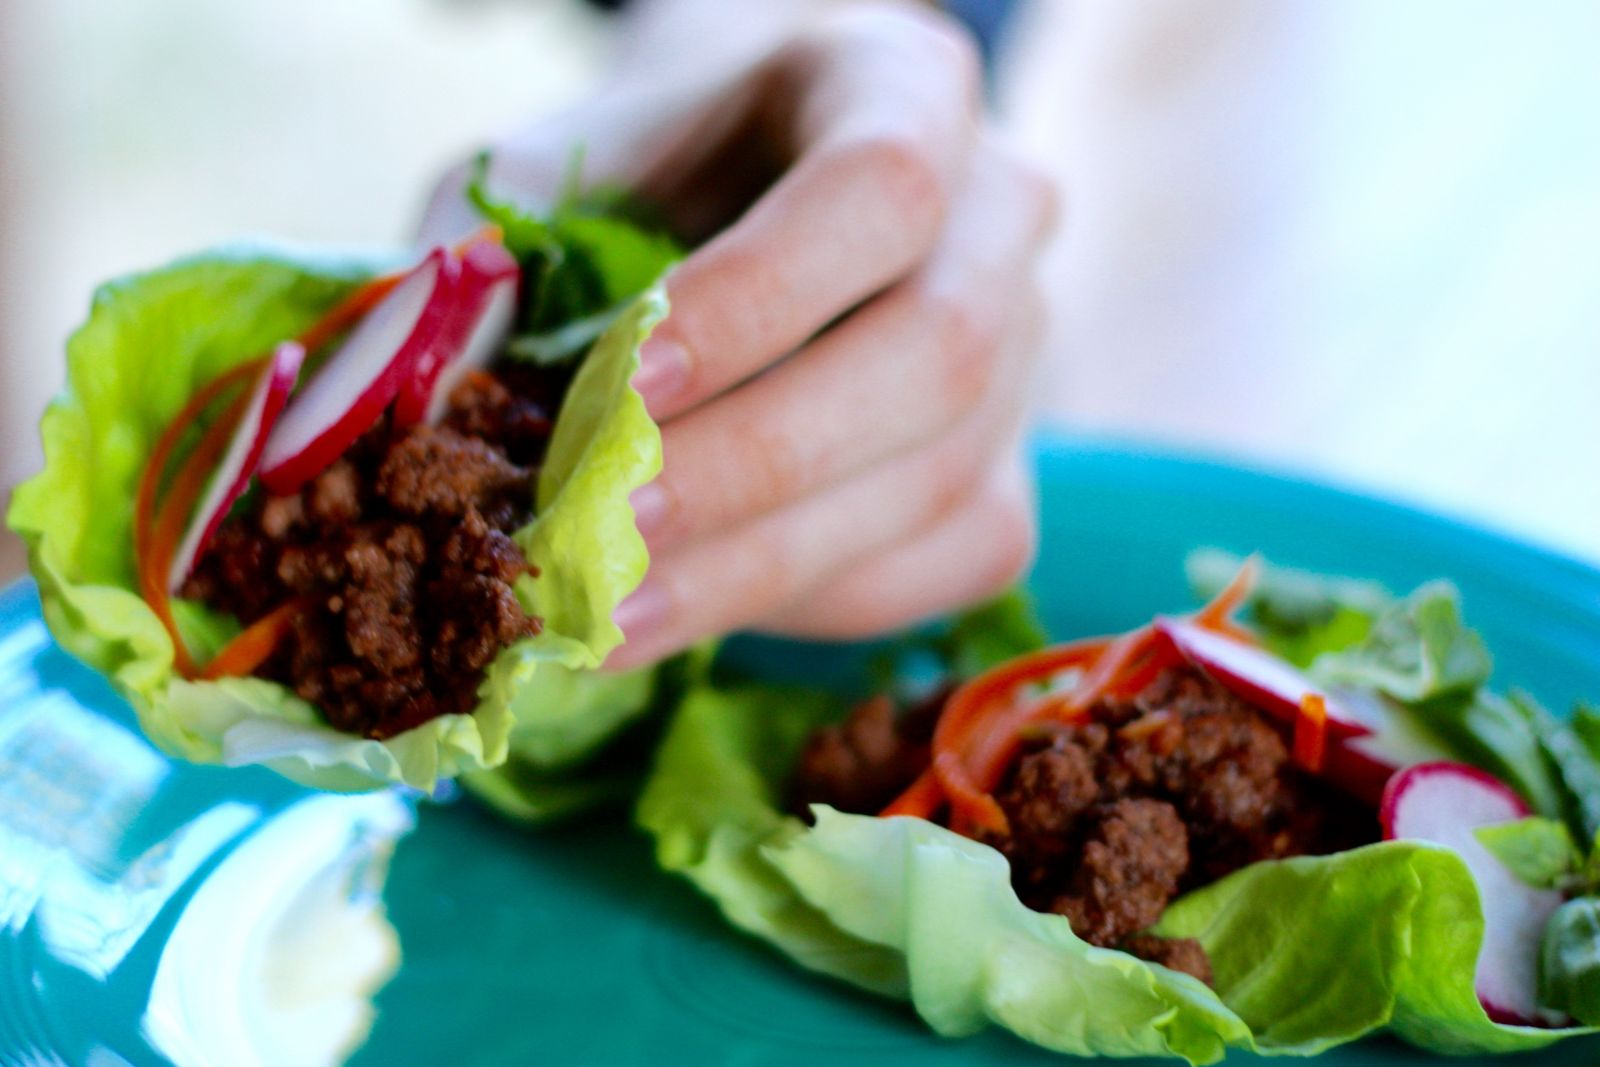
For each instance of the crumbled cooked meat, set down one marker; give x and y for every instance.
(1053, 790)
(1132, 861)
(864, 762)
(484, 406)
(436, 471)
(400, 554)
(479, 566)
(1112, 817)
(335, 495)
(380, 598)
(1179, 953)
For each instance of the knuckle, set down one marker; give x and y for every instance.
(952, 490)
(908, 179)
(966, 343)
(778, 468)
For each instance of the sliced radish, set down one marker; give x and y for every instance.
(1363, 764)
(481, 311)
(267, 397)
(1257, 677)
(1444, 803)
(359, 380)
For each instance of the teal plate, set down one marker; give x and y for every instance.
(156, 912)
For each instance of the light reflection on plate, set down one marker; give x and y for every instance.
(152, 912)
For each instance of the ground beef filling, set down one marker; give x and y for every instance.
(1113, 818)
(400, 556)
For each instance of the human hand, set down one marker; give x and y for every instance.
(843, 376)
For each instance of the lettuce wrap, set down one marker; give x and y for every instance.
(1308, 953)
(153, 339)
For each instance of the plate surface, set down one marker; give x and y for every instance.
(155, 912)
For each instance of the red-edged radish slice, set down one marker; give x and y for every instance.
(1363, 764)
(359, 380)
(481, 311)
(267, 398)
(1444, 803)
(1257, 677)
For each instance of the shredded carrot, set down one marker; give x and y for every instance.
(1311, 732)
(489, 231)
(167, 443)
(984, 707)
(251, 648)
(923, 798)
(1217, 614)
(984, 723)
(157, 533)
(166, 532)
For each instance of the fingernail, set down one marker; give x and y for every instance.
(663, 370)
(649, 504)
(643, 612)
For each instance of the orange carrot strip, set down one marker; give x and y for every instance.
(1216, 614)
(1311, 732)
(167, 443)
(254, 646)
(1160, 656)
(984, 713)
(489, 231)
(1121, 656)
(923, 798)
(978, 699)
(167, 531)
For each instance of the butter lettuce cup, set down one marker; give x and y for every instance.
(1290, 820)
(355, 518)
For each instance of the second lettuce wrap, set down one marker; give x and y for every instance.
(1309, 953)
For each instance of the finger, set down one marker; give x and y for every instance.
(882, 121)
(725, 582)
(979, 550)
(904, 369)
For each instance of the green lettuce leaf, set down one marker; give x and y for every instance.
(583, 536)
(150, 341)
(1319, 950)
(584, 740)
(899, 906)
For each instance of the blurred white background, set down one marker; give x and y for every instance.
(1361, 240)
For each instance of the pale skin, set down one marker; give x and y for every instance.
(843, 378)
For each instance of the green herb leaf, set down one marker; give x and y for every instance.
(582, 263)
(1537, 850)
(1494, 734)
(1577, 769)
(1418, 649)
(1299, 614)
(1569, 961)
